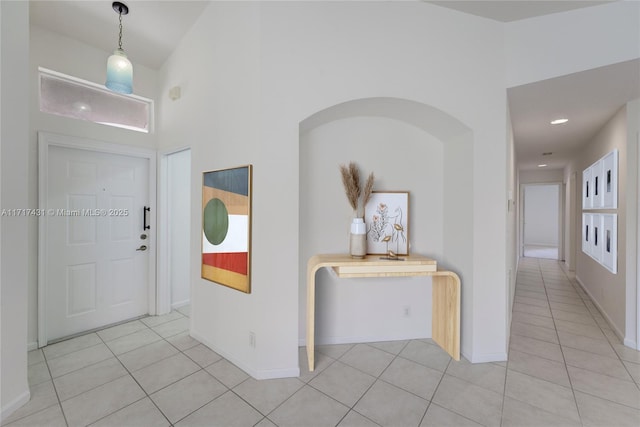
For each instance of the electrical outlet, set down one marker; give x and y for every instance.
(252, 339)
(406, 311)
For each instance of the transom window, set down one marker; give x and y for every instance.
(69, 96)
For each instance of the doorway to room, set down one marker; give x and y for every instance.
(174, 234)
(541, 224)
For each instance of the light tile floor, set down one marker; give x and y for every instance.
(566, 368)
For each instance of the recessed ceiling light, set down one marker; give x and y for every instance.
(542, 166)
(559, 121)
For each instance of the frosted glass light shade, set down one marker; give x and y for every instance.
(119, 73)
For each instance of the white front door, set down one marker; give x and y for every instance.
(97, 255)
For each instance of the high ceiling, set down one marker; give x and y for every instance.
(588, 99)
(514, 10)
(153, 29)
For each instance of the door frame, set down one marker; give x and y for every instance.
(163, 271)
(561, 222)
(47, 140)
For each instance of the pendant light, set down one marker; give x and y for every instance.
(119, 68)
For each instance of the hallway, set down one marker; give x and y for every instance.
(565, 368)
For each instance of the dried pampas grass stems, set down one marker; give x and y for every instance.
(351, 182)
(368, 188)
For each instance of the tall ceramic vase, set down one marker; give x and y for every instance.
(358, 238)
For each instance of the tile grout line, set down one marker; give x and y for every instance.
(601, 330)
(129, 373)
(64, 416)
(564, 359)
(567, 365)
(542, 379)
(146, 395)
(435, 390)
(605, 335)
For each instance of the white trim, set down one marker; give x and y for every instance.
(561, 224)
(12, 406)
(637, 346)
(46, 140)
(99, 87)
(33, 345)
(176, 305)
(334, 340)
(486, 357)
(265, 374)
(164, 243)
(62, 76)
(604, 314)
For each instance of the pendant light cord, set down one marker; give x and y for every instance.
(120, 34)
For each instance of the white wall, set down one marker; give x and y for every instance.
(217, 116)
(541, 176)
(632, 319)
(179, 215)
(243, 103)
(404, 158)
(513, 255)
(563, 43)
(14, 115)
(59, 53)
(608, 290)
(541, 203)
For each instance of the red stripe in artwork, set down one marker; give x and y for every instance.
(231, 261)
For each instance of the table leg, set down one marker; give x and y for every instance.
(311, 311)
(445, 318)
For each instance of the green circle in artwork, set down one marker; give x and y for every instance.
(216, 221)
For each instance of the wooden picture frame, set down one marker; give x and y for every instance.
(226, 227)
(386, 216)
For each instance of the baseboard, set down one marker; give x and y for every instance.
(11, 407)
(604, 314)
(179, 304)
(486, 357)
(32, 346)
(631, 343)
(259, 374)
(302, 342)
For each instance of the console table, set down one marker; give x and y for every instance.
(445, 313)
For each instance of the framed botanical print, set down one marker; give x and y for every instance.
(386, 216)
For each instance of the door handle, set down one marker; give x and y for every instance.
(144, 218)
(142, 248)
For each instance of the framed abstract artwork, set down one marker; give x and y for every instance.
(587, 189)
(386, 216)
(586, 233)
(226, 227)
(596, 179)
(600, 183)
(596, 237)
(610, 242)
(610, 180)
(600, 239)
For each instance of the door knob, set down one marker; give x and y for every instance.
(142, 248)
